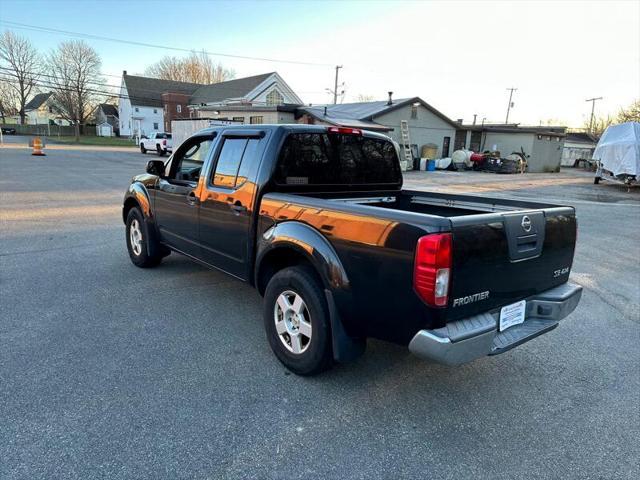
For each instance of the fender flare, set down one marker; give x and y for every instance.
(321, 254)
(310, 243)
(138, 194)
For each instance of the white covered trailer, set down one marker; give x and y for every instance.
(618, 154)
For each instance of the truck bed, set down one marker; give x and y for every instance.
(375, 235)
(432, 203)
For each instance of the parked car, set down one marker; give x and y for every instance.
(8, 130)
(161, 143)
(316, 219)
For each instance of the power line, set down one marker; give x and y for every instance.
(10, 71)
(48, 84)
(511, 90)
(24, 26)
(593, 107)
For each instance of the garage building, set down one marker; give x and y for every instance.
(426, 124)
(542, 145)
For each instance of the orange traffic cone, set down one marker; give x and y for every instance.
(37, 147)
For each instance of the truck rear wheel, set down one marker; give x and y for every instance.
(160, 151)
(296, 319)
(137, 241)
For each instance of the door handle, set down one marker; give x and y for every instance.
(237, 208)
(192, 199)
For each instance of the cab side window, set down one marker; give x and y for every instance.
(187, 162)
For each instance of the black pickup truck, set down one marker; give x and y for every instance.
(316, 219)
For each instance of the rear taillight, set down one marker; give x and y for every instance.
(164, 142)
(345, 130)
(432, 268)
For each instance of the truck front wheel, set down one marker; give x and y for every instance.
(296, 319)
(142, 149)
(137, 241)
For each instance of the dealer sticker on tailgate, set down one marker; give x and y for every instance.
(512, 315)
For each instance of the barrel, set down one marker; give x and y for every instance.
(429, 151)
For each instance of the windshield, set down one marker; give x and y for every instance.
(334, 159)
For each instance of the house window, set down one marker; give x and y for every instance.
(137, 109)
(179, 108)
(238, 119)
(50, 109)
(274, 98)
(414, 111)
(256, 120)
(155, 126)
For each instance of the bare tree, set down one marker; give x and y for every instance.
(75, 71)
(20, 65)
(8, 100)
(362, 97)
(629, 114)
(600, 124)
(196, 68)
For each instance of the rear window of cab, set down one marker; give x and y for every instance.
(337, 159)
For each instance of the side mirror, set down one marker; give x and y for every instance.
(155, 167)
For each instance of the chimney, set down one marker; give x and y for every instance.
(460, 120)
(390, 102)
(124, 72)
(474, 118)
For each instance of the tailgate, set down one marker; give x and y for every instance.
(500, 258)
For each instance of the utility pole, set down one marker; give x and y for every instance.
(511, 90)
(593, 106)
(335, 87)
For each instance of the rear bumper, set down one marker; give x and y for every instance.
(474, 337)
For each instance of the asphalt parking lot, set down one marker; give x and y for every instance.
(110, 371)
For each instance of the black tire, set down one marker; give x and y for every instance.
(140, 255)
(160, 150)
(318, 355)
(142, 149)
(596, 180)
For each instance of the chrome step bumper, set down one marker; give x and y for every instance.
(474, 337)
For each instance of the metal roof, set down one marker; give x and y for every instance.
(218, 92)
(37, 101)
(147, 91)
(515, 128)
(109, 109)
(367, 111)
(581, 137)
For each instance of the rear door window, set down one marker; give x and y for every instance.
(237, 162)
(335, 159)
(229, 162)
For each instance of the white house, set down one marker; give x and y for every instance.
(150, 104)
(41, 110)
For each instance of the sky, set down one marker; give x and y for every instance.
(459, 56)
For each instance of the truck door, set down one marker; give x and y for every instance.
(176, 201)
(227, 201)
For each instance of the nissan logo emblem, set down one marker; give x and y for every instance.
(526, 224)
